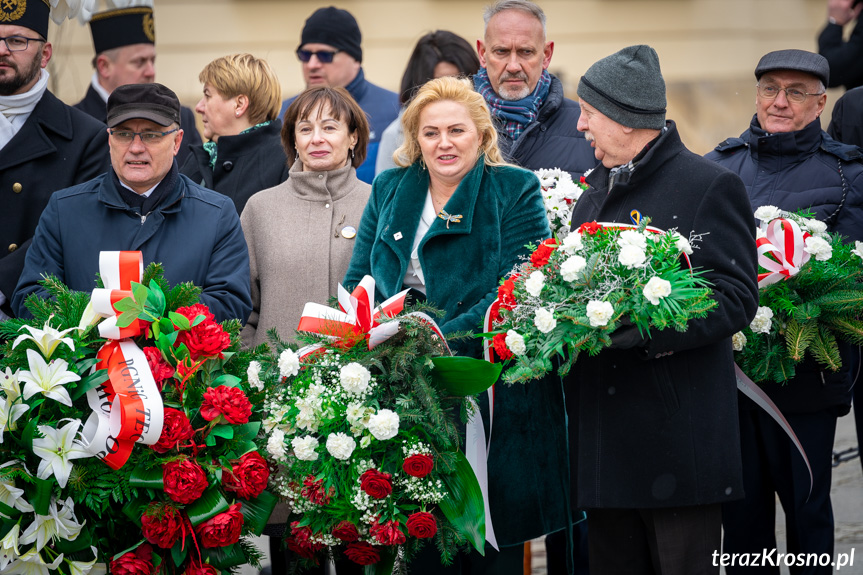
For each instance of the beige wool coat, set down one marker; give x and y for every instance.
(301, 235)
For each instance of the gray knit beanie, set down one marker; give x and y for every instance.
(627, 87)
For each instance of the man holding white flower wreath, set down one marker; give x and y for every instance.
(653, 422)
(789, 163)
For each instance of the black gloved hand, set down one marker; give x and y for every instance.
(626, 336)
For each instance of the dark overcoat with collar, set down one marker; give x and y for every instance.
(57, 147)
(656, 426)
(501, 211)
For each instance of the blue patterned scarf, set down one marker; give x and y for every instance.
(515, 114)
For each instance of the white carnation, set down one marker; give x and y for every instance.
(818, 247)
(289, 363)
(763, 320)
(384, 424)
(533, 284)
(340, 445)
(573, 265)
(682, 244)
(632, 238)
(276, 445)
(767, 213)
(858, 249)
(544, 320)
(656, 289)
(515, 342)
(304, 448)
(815, 227)
(599, 313)
(253, 375)
(571, 244)
(631, 256)
(738, 341)
(354, 378)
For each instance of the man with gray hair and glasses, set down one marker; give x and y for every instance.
(786, 160)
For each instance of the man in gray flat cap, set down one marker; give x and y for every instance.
(653, 422)
(787, 160)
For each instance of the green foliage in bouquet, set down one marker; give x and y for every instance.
(572, 295)
(804, 314)
(368, 445)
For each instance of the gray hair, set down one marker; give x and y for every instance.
(525, 6)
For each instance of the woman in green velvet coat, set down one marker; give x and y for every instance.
(450, 224)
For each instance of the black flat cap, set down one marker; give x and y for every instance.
(153, 102)
(799, 60)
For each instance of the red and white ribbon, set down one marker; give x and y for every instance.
(784, 241)
(127, 409)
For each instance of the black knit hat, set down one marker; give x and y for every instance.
(31, 14)
(627, 87)
(153, 102)
(799, 60)
(335, 27)
(122, 27)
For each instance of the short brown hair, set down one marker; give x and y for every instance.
(343, 106)
(252, 77)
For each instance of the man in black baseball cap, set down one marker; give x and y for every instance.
(144, 204)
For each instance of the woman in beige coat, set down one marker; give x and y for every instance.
(301, 233)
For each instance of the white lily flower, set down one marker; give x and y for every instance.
(9, 412)
(47, 378)
(9, 547)
(60, 522)
(85, 568)
(31, 563)
(47, 339)
(9, 384)
(57, 448)
(14, 497)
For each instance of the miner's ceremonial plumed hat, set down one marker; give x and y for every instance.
(122, 27)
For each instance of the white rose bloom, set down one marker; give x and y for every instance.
(544, 320)
(767, 213)
(818, 247)
(304, 448)
(340, 445)
(738, 341)
(289, 363)
(656, 289)
(632, 238)
(816, 227)
(571, 244)
(682, 244)
(276, 445)
(858, 249)
(599, 313)
(573, 265)
(253, 374)
(533, 284)
(631, 256)
(515, 342)
(354, 378)
(384, 424)
(763, 320)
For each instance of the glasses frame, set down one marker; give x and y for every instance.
(787, 97)
(26, 42)
(140, 135)
(306, 55)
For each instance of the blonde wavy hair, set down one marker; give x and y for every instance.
(460, 91)
(252, 77)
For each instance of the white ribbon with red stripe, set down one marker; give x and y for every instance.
(784, 240)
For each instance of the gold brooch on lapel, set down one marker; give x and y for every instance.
(455, 218)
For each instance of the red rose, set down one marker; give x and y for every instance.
(540, 256)
(193, 311)
(300, 542)
(249, 476)
(176, 430)
(160, 368)
(376, 484)
(589, 228)
(162, 525)
(362, 553)
(346, 531)
(387, 534)
(137, 562)
(314, 491)
(500, 348)
(223, 529)
(228, 401)
(195, 568)
(505, 293)
(184, 480)
(418, 465)
(421, 525)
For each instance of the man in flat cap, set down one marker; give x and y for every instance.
(125, 44)
(653, 422)
(143, 203)
(45, 145)
(786, 160)
(331, 54)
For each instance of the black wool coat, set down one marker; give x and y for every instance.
(245, 164)
(656, 426)
(57, 147)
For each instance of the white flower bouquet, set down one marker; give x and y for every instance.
(559, 194)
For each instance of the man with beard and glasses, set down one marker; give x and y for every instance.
(45, 145)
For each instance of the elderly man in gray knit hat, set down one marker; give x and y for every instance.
(653, 428)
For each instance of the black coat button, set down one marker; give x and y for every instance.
(228, 165)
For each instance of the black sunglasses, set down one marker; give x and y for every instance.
(324, 56)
